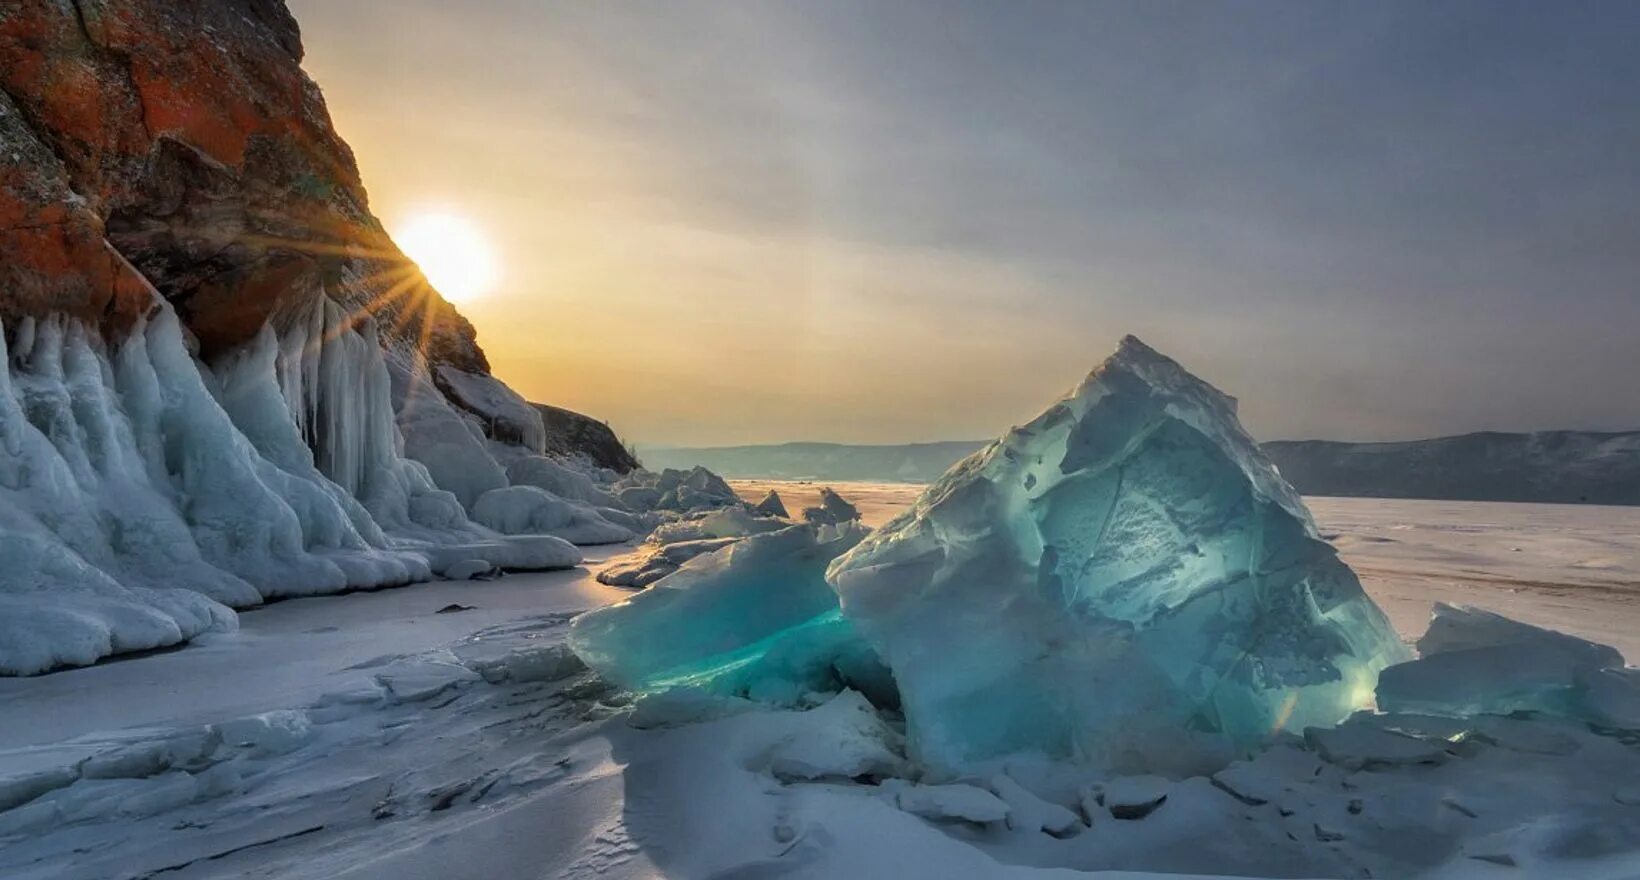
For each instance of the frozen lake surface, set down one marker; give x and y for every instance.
(396, 760)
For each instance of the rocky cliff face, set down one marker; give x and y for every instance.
(571, 434)
(176, 144)
(220, 382)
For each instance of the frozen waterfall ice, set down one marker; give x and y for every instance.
(1125, 581)
(144, 494)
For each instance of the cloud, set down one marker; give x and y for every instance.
(909, 221)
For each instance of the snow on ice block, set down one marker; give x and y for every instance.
(509, 417)
(466, 569)
(424, 676)
(1362, 744)
(270, 733)
(753, 619)
(1029, 813)
(652, 562)
(727, 522)
(1475, 662)
(1135, 797)
(523, 510)
(535, 663)
(841, 739)
(1126, 581)
(957, 801)
(508, 552)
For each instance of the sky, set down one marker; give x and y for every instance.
(746, 222)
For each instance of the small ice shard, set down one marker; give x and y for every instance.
(1474, 662)
(771, 505)
(753, 619)
(833, 509)
(727, 522)
(1119, 582)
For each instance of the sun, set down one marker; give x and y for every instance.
(452, 252)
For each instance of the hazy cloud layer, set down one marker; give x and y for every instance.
(728, 222)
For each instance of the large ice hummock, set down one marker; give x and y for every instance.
(1123, 578)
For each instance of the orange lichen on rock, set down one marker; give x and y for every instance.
(176, 147)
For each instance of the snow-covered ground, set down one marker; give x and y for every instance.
(1573, 568)
(405, 743)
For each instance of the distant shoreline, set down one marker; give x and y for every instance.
(1548, 467)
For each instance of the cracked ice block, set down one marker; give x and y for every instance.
(754, 619)
(1473, 661)
(1125, 581)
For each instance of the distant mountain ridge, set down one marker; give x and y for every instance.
(1569, 467)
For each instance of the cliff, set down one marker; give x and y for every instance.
(178, 146)
(220, 381)
(572, 434)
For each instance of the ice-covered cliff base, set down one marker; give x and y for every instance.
(143, 493)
